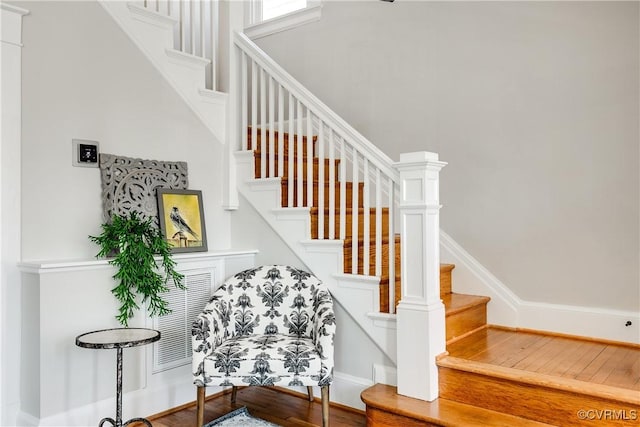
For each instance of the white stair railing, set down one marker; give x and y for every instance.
(196, 33)
(273, 103)
(276, 107)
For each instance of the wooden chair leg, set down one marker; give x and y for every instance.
(325, 405)
(310, 393)
(200, 406)
(234, 393)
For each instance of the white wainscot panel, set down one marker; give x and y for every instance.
(62, 384)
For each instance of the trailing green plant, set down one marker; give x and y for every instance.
(133, 243)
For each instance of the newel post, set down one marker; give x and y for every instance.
(420, 313)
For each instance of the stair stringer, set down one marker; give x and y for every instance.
(153, 34)
(357, 294)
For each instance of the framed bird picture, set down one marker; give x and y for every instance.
(182, 219)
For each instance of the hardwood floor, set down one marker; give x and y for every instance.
(595, 362)
(278, 406)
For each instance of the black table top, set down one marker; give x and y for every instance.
(117, 338)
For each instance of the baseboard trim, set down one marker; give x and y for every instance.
(162, 400)
(507, 309)
(385, 375)
(581, 321)
(345, 390)
(138, 403)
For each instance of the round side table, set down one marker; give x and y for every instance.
(118, 338)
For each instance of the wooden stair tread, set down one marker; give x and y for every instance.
(455, 303)
(385, 240)
(317, 182)
(257, 154)
(545, 380)
(526, 351)
(440, 412)
(446, 267)
(348, 210)
(545, 376)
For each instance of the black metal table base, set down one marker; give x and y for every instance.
(132, 420)
(118, 338)
(118, 421)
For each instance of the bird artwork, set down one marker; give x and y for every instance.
(181, 225)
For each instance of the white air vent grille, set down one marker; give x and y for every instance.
(174, 347)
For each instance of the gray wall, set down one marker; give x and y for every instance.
(535, 105)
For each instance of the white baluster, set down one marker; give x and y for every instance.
(332, 187)
(291, 142)
(280, 131)
(392, 248)
(244, 124)
(272, 126)
(321, 180)
(192, 23)
(354, 213)
(309, 159)
(378, 242)
(343, 190)
(254, 105)
(182, 26)
(203, 52)
(264, 143)
(213, 28)
(365, 217)
(299, 157)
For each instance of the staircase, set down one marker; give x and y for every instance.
(330, 194)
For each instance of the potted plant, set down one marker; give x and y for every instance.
(132, 243)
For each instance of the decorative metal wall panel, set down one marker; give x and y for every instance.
(130, 184)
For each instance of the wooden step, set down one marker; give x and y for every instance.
(446, 271)
(386, 408)
(384, 277)
(348, 186)
(464, 314)
(348, 259)
(544, 377)
(258, 145)
(445, 278)
(305, 166)
(349, 222)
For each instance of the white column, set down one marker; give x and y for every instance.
(420, 313)
(10, 134)
(231, 18)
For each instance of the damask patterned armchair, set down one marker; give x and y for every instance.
(271, 325)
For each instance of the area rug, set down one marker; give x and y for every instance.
(239, 417)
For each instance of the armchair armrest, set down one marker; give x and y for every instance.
(324, 330)
(208, 330)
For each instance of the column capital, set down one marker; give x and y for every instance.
(419, 160)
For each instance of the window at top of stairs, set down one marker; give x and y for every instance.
(267, 17)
